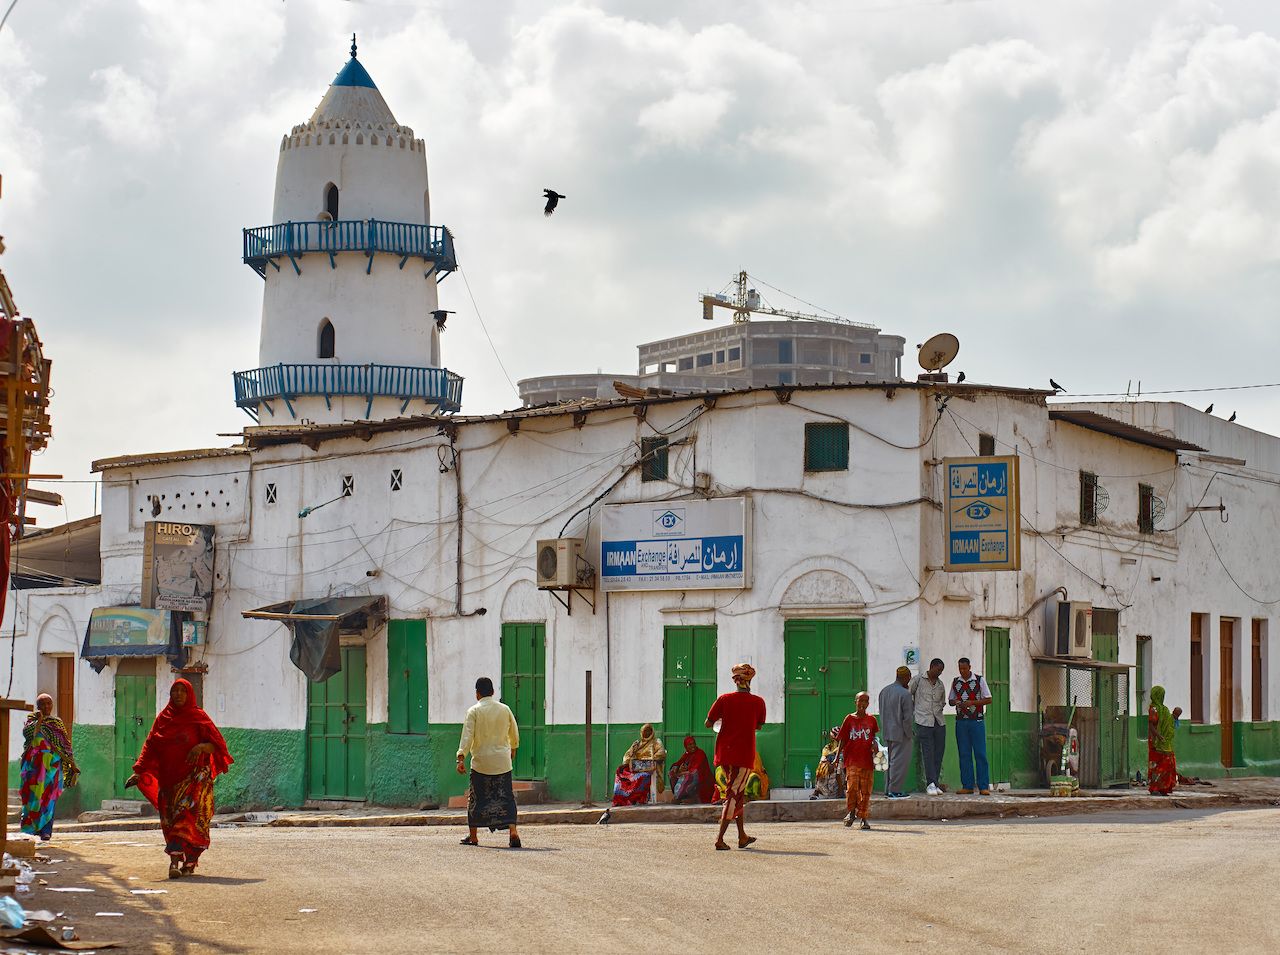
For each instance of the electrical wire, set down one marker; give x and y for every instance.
(471, 295)
(1227, 570)
(1170, 391)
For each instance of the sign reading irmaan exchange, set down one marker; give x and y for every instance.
(689, 544)
(983, 516)
(177, 566)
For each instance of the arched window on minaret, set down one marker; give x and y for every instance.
(331, 201)
(327, 345)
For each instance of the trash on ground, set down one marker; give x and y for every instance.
(42, 935)
(305, 911)
(109, 915)
(149, 891)
(69, 888)
(12, 914)
(40, 915)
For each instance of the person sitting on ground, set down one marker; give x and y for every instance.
(642, 767)
(691, 778)
(828, 780)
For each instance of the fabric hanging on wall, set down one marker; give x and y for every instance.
(315, 625)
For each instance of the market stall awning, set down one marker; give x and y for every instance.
(131, 632)
(1081, 663)
(315, 624)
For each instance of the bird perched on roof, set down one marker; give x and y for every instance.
(553, 198)
(1209, 410)
(1055, 386)
(959, 377)
(1233, 416)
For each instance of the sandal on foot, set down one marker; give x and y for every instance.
(174, 871)
(722, 847)
(514, 843)
(468, 841)
(743, 843)
(189, 869)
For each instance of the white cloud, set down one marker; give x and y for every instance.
(127, 110)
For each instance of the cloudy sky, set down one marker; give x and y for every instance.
(1088, 190)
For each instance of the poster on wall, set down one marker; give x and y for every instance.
(676, 545)
(131, 632)
(177, 566)
(982, 513)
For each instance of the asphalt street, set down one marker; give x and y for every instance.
(1179, 880)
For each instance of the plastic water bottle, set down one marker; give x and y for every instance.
(808, 777)
(11, 912)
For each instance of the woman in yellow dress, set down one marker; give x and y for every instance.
(642, 766)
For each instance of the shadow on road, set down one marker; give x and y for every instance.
(783, 852)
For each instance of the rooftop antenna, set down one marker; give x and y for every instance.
(938, 352)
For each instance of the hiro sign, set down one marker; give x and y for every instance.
(692, 544)
(983, 517)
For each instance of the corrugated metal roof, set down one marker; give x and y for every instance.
(1120, 429)
(165, 457)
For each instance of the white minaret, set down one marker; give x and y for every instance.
(351, 264)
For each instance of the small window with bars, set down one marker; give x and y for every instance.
(348, 485)
(986, 445)
(397, 479)
(271, 493)
(826, 446)
(1088, 498)
(653, 459)
(1146, 509)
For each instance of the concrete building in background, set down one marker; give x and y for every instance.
(818, 530)
(744, 354)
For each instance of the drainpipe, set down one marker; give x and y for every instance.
(457, 481)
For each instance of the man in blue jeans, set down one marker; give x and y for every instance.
(970, 696)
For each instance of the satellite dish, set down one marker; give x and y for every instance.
(939, 351)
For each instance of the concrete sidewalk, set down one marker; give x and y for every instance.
(1222, 794)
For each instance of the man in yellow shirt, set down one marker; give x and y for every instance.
(490, 735)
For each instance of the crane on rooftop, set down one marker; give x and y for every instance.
(746, 301)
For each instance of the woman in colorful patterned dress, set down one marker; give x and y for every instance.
(183, 754)
(643, 767)
(691, 778)
(47, 767)
(1162, 768)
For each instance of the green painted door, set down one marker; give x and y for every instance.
(1113, 735)
(336, 731)
(524, 661)
(135, 712)
(825, 668)
(688, 688)
(999, 716)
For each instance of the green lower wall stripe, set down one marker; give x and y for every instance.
(419, 770)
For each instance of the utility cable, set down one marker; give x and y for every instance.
(476, 307)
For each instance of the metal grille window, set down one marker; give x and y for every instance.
(1088, 498)
(397, 479)
(1146, 509)
(986, 445)
(271, 493)
(348, 485)
(653, 459)
(826, 446)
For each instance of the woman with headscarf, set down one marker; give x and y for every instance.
(643, 763)
(47, 767)
(828, 781)
(736, 717)
(1162, 768)
(691, 777)
(182, 755)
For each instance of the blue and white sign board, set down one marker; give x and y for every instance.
(982, 514)
(676, 545)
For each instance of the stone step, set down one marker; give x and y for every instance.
(528, 792)
(133, 807)
(787, 794)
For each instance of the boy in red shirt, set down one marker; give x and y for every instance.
(741, 713)
(858, 743)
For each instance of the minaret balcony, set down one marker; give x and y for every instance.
(433, 244)
(438, 387)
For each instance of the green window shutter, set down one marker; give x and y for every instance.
(653, 459)
(407, 676)
(826, 446)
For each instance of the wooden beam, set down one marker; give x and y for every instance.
(43, 497)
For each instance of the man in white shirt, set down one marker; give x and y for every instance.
(929, 694)
(491, 736)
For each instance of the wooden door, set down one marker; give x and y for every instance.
(1227, 688)
(688, 688)
(825, 668)
(65, 695)
(524, 654)
(135, 712)
(337, 727)
(999, 715)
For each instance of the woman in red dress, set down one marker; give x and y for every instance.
(183, 754)
(1162, 767)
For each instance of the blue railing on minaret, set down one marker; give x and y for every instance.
(291, 240)
(438, 387)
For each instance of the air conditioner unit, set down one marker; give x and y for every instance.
(560, 563)
(1068, 629)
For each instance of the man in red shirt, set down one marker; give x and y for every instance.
(857, 741)
(740, 713)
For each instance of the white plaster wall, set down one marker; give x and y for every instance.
(374, 181)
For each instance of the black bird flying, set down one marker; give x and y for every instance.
(1055, 386)
(553, 198)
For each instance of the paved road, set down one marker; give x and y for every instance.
(1197, 881)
